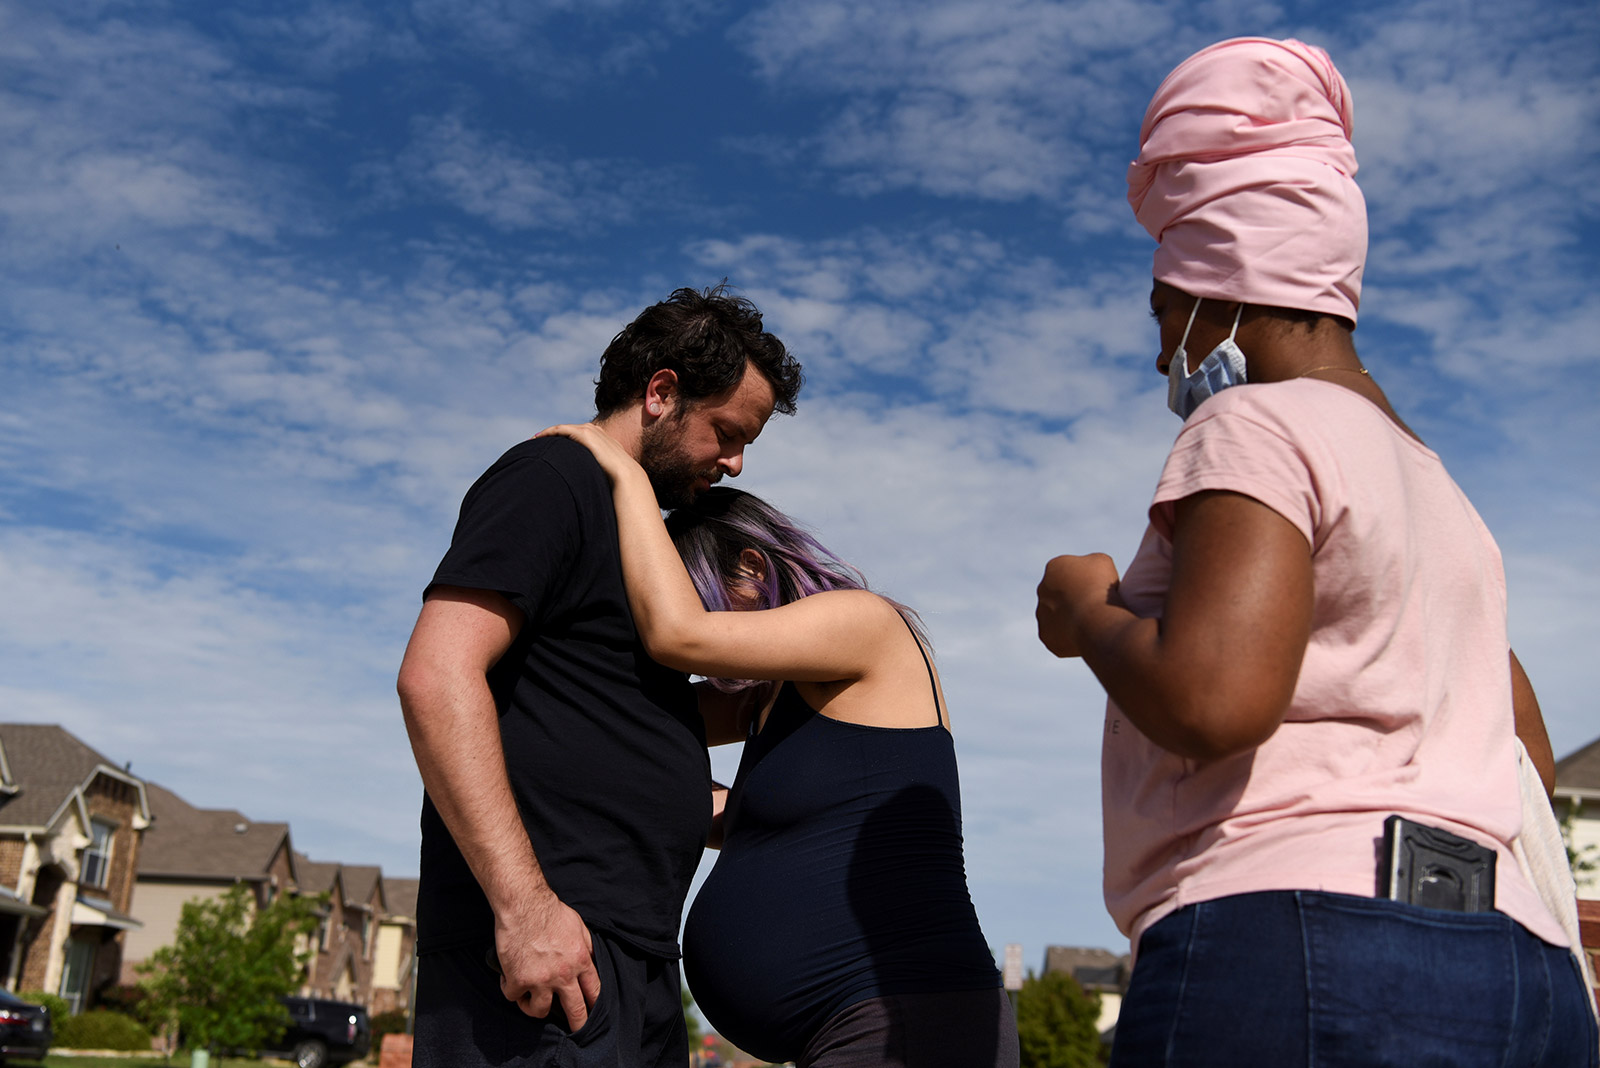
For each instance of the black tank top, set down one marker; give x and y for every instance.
(841, 878)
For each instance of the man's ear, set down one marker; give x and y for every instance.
(661, 393)
(752, 563)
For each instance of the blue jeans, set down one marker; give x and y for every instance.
(1301, 978)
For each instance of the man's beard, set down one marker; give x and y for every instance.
(672, 474)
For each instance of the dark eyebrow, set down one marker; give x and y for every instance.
(735, 429)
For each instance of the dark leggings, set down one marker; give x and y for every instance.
(963, 1029)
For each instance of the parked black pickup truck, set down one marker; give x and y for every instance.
(323, 1033)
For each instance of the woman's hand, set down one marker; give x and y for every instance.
(612, 457)
(1070, 585)
(1214, 673)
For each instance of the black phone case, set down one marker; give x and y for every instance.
(1435, 869)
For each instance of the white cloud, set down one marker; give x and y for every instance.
(116, 130)
(513, 187)
(204, 683)
(986, 100)
(953, 316)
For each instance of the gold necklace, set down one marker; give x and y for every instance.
(1331, 367)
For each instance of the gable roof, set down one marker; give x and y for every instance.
(1578, 773)
(1094, 969)
(206, 843)
(360, 880)
(44, 768)
(400, 897)
(317, 876)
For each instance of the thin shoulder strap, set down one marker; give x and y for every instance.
(938, 718)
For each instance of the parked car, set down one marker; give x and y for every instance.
(323, 1032)
(24, 1028)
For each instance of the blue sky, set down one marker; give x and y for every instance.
(280, 279)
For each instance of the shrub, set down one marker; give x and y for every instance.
(392, 1022)
(101, 1029)
(59, 1009)
(128, 999)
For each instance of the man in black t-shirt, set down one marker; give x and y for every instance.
(568, 792)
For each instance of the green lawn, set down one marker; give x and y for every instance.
(179, 1060)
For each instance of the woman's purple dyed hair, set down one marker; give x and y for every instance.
(722, 522)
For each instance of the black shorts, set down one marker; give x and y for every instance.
(463, 1021)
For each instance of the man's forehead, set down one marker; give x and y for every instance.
(749, 405)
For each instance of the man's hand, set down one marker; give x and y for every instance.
(546, 956)
(1070, 584)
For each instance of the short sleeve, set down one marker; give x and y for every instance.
(519, 534)
(1238, 443)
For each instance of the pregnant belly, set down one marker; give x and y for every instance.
(770, 954)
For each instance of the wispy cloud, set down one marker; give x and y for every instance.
(510, 186)
(617, 36)
(995, 101)
(235, 445)
(116, 128)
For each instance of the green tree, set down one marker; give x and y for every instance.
(230, 963)
(1056, 1023)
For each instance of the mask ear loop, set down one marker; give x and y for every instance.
(1236, 316)
(1183, 343)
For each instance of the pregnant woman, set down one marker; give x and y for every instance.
(836, 930)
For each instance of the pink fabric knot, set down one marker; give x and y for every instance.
(1246, 177)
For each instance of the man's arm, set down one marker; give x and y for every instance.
(543, 946)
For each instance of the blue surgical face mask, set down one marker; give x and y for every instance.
(1223, 368)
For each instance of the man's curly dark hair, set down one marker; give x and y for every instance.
(708, 337)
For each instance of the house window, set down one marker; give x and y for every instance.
(96, 867)
(366, 936)
(75, 973)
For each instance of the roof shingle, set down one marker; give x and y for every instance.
(205, 843)
(46, 763)
(401, 896)
(1580, 770)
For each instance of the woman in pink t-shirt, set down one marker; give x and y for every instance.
(1310, 640)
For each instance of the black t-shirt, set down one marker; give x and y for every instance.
(605, 748)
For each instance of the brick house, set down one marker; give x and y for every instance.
(396, 955)
(365, 906)
(347, 935)
(193, 853)
(1577, 804)
(72, 825)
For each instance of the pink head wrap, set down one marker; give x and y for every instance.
(1246, 174)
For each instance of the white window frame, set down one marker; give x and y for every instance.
(99, 849)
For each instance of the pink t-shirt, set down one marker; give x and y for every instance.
(1403, 704)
